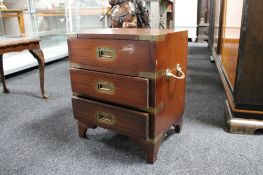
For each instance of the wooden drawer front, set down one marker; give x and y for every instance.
(125, 121)
(131, 91)
(124, 57)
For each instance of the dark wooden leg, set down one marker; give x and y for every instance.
(150, 148)
(152, 152)
(2, 74)
(178, 126)
(82, 128)
(38, 54)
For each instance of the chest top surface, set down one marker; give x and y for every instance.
(125, 34)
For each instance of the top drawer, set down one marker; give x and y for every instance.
(126, 57)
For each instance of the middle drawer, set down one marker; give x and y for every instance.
(131, 91)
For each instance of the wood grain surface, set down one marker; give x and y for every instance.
(124, 90)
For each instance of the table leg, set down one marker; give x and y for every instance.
(2, 74)
(38, 54)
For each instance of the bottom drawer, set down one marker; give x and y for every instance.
(125, 121)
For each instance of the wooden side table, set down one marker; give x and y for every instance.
(19, 44)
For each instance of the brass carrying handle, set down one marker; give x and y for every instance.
(105, 118)
(179, 70)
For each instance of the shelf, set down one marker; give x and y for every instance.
(170, 1)
(90, 11)
(81, 11)
(49, 33)
(12, 11)
(55, 12)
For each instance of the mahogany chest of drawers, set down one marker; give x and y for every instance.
(131, 81)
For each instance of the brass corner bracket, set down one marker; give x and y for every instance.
(156, 139)
(152, 75)
(154, 110)
(152, 37)
(72, 35)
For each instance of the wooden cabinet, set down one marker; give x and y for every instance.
(123, 80)
(238, 55)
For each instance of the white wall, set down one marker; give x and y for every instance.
(233, 19)
(185, 12)
(234, 13)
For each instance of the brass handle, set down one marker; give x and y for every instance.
(179, 70)
(105, 118)
(105, 87)
(105, 53)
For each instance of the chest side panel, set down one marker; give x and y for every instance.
(170, 92)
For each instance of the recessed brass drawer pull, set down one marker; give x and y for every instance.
(106, 53)
(105, 118)
(105, 87)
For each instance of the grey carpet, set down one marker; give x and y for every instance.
(40, 136)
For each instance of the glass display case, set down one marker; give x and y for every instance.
(49, 23)
(39, 18)
(50, 20)
(1, 28)
(14, 19)
(53, 19)
(85, 14)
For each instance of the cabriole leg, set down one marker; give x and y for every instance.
(38, 54)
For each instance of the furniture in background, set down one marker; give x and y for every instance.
(161, 13)
(2, 5)
(131, 81)
(53, 41)
(50, 21)
(20, 44)
(84, 15)
(237, 50)
(8, 13)
(203, 17)
(185, 17)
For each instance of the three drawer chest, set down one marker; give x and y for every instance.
(131, 81)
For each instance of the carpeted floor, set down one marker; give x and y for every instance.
(40, 136)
